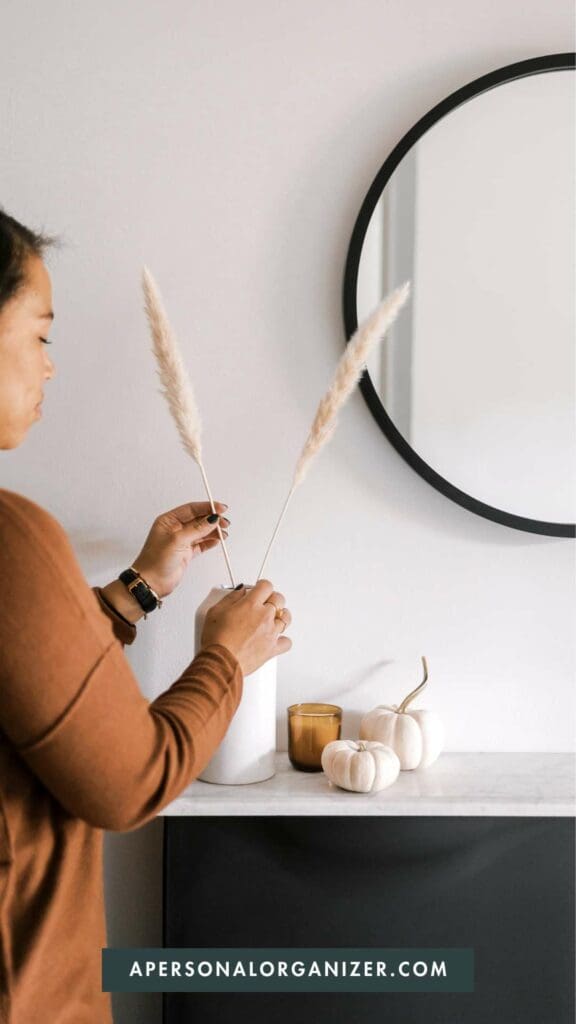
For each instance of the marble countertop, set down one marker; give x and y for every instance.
(506, 785)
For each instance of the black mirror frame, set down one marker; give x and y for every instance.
(521, 69)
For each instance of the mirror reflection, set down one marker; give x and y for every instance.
(478, 374)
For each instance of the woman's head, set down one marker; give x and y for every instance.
(25, 318)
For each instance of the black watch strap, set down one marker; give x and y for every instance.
(141, 590)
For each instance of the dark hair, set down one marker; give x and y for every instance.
(17, 243)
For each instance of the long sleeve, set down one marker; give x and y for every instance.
(124, 631)
(71, 705)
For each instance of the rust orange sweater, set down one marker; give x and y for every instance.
(81, 750)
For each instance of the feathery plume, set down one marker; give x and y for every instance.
(177, 386)
(348, 372)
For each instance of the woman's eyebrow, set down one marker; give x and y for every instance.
(46, 316)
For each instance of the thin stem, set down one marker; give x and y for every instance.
(211, 500)
(272, 539)
(418, 689)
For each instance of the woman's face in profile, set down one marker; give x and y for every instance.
(24, 362)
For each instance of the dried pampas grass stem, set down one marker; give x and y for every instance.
(177, 386)
(348, 372)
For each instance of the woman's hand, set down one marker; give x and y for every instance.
(246, 622)
(175, 538)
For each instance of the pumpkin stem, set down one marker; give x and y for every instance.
(418, 689)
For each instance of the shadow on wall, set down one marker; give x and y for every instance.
(133, 895)
(100, 556)
(351, 692)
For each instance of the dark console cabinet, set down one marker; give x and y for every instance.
(503, 886)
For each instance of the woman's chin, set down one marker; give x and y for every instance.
(12, 438)
(7, 443)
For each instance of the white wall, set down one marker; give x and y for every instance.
(229, 146)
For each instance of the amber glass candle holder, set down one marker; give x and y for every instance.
(310, 728)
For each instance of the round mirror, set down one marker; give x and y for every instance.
(475, 383)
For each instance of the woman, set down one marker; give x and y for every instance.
(81, 749)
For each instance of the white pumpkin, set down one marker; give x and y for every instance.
(417, 736)
(361, 767)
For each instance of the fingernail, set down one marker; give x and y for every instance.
(239, 587)
(213, 518)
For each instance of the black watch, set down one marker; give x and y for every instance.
(141, 590)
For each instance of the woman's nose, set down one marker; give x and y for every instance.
(50, 369)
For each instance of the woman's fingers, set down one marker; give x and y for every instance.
(283, 644)
(275, 603)
(195, 510)
(211, 542)
(205, 545)
(200, 529)
(286, 617)
(261, 591)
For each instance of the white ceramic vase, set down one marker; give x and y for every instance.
(247, 752)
